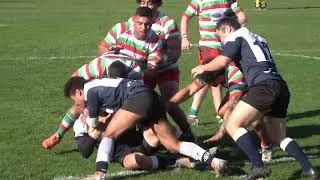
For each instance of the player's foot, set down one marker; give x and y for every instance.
(266, 154)
(193, 120)
(100, 175)
(185, 162)
(220, 167)
(258, 173)
(213, 151)
(51, 141)
(263, 4)
(312, 174)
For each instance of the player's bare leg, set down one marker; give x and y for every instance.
(196, 104)
(217, 99)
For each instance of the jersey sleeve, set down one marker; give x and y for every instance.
(170, 28)
(236, 82)
(234, 6)
(193, 9)
(113, 34)
(92, 102)
(232, 49)
(94, 70)
(155, 52)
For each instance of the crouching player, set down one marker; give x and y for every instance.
(96, 69)
(132, 103)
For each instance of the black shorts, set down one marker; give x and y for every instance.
(146, 104)
(270, 97)
(126, 144)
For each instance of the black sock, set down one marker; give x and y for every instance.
(293, 149)
(244, 141)
(102, 166)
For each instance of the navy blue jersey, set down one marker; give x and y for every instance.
(109, 93)
(252, 53)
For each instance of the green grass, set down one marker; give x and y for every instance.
(31, 95)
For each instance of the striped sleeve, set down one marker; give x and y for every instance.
(170, 28)
(193, 9)
(113, 34)
(236, 82)
(95, 69)
(235, 6)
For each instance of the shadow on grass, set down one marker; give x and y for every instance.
(294, 8)
(306, 114)
(69, 151)
(303, 131)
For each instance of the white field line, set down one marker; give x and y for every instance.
(128, 173)
(4, 25)
(286, 53)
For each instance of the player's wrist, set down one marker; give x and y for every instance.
(184, 35)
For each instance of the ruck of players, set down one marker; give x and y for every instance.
(117, 111)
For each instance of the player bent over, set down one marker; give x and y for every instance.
(96, 69)
(132, 103)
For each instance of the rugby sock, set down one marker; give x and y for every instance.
(293, 149)
(67, 122)
(148, 148)
(155, 162)
(244, 141)
(191, 150)
(193, 112)
(105, 153)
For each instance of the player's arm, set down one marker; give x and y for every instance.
(92, 103)
(217, 64)
(193, 9)
(109, 43)
(187, 92)
(95, 69)
(238, 12)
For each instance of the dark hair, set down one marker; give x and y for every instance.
(117, 70)
(72, 84)
(144, 12)
(228, 21)
(229, 13)
(210, 76)
(159, 2)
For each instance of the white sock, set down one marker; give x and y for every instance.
(105, 151)
(284, 143)
(191, 150)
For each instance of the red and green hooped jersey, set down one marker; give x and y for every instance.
(165, 27)
(209, 12)
(97, 68)
(145, 51)
(235, 81)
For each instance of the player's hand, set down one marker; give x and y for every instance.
(197, 71)
(242, 18)
(115, 48)
(50, 142)
(215, 137)
(185, 44)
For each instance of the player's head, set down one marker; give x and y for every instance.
(226, 26)
(214, 78)
(117, 70)
(142, 22)
(73, 89)
(152, 4)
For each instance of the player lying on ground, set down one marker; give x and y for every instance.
(138, 40)
(234, 81)
(267, 96)
(96, 69)
(133, 150)
(132, 103)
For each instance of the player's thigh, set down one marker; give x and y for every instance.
(120, 122)
(276, 128)
(242, 115)
(150, 137)
(164, 131)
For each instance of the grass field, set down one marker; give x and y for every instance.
(43, 42)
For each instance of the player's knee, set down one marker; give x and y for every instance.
(85, 145)
(129, 162)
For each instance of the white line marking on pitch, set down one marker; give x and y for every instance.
(298, 55)
(4, 25)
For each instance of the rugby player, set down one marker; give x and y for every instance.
(267, 97)
(208, 13)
